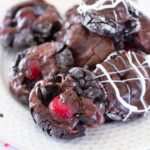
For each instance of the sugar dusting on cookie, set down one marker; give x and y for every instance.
(100, 5)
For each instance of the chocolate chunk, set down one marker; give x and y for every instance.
(47, 93)
(90, 88)
(64, 60)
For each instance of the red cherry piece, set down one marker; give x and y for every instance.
(34, 70)
(60, 109)
(25, 17)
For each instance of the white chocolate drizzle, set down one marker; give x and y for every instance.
(142, 76)
(121, 71)
(122, 81)
(99, 5)
(127, 80)
(124, 103)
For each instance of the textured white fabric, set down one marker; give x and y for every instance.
(18, 128)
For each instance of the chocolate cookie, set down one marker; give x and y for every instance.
(65, 105)
(116, 19)
(142, 38)
(29, 23)
(37, 63)
(126, 80)
(87, 48)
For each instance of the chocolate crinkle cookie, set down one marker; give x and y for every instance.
(37, 63)
(65, 105)
(88, 48)
(126, 79)
(114, 18)
(29, 23)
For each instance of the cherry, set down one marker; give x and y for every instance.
(25, 17)
(60, 109)
(34, 70)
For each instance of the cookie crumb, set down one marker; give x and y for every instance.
(1, 115)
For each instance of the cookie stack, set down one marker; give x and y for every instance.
(88, 70)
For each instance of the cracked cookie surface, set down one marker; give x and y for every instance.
(116, 19)
(87, 48)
